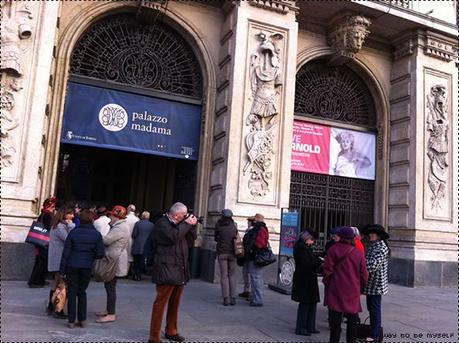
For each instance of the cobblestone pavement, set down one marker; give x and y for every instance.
(409, 315)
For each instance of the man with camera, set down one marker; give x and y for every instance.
(174, 233)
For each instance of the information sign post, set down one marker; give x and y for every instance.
(286, 265)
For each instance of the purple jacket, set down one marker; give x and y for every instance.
(345, 275)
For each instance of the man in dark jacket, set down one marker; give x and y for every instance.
(171, 271)
(140, 233)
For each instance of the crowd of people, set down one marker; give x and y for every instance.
(86, 242)
(349, 270)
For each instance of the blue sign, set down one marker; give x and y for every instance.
(289, 232)
(118, 120)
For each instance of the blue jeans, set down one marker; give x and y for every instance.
(374, 308)
(257, 283)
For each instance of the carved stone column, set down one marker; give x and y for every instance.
(27, 40)
(254, 114)
(423, 162)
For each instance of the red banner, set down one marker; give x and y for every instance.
(310, 147)
(334, 151)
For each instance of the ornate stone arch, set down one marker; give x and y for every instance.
(67, 40)
(368, 73)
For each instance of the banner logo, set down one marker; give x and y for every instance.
(113, 117)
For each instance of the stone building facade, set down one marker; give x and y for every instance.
(386, 68)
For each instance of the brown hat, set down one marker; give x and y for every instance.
(118, 211)
(259, 217)
(251, 218)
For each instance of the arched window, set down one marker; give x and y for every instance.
(153, 56)
(333, 93)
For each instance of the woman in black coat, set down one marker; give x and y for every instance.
(305, 289)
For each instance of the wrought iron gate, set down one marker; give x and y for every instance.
(326, 201)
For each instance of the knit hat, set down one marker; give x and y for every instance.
(375, 228)
(334, 231)
(227, 213)
(346, 232)
(118, 211)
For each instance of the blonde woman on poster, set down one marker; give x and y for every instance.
(349, 161)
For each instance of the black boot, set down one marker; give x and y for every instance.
(226, 302)
(50, 307)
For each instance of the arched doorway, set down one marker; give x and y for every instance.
(333, 101)
(140, 86)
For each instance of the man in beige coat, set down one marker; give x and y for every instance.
(115, 241)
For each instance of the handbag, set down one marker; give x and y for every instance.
(238, 246)
(264, 257)
(59, 297)
(38, 235)
(105, 269)
(364, 330)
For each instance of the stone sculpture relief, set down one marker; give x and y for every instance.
(265, 78)
(437, 144)
(348, 35)
(15, 27)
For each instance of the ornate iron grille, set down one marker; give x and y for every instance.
(326, 201)
(123, 50)
(333, 92)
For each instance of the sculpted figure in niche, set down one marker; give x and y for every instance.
(265, 77)
(437, 144)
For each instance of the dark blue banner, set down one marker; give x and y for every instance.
(118, 120)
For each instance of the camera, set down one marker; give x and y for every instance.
(200, 220)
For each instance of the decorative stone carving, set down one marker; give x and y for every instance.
(348, 35)
(265, 77)
(8, 122)
(439, 47)
(437, 144)
(404, 47)
(15, 27)
(279, 6)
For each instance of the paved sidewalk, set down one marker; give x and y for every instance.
(406, 311)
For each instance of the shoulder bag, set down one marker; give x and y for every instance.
(264, 257)
(105, 268)
(38, 235)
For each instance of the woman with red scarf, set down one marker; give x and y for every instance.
(40, 268)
